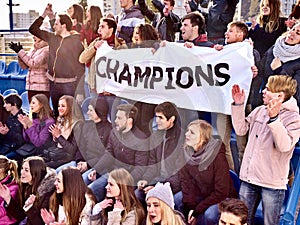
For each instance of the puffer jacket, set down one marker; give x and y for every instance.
(270, 144)
(33, 212)
(128, 20)
(13, 187)
(37, 62)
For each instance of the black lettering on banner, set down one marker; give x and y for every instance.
(139, 76)
(123, 76)
(170, 70)
(207, 77)
(219, 74)
(156, 70)
(113, 70)
(103, 58)
(190, 77)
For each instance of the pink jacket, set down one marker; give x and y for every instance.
(37, 62)
(270, 145)
(13, 187)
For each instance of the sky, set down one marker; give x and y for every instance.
(37, 5)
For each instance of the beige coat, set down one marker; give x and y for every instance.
(270, 145)
(88, 55)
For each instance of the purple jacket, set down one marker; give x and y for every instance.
(38, 133)
(13, 187)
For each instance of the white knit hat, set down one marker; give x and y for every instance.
(162, 192)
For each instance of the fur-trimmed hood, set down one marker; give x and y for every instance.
(47, 184)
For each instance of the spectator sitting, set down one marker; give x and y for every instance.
(11, 131)
(37, 185)
(205, 179)
(3, 112)
(36, 130)
(72, 202)
(65, 133)
(160, 206)
(233, 211)
(121, 205)
(9, 183)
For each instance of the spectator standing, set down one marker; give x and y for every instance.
(72, 202)
(9, 181)
(284, 58)
(220, 13)
(37, 185)
(89, 31)
(205, 179)
(11, 132)
(128, 19)
(121, 205)
(165, 21)
(36, 61)
(106, 31)
(64, 70)
(160, 206)
(274, 129)
(193, 30)
(268, 27)
(76, 12)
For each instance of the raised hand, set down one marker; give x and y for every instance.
(25, 121)
(105, 203)
(273, 107)
(16, 47)
(238, 95)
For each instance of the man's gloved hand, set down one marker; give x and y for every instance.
(15, 46)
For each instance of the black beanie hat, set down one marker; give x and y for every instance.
(101, 107)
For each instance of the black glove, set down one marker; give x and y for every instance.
(15, 47)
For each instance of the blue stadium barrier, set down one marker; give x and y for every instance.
(2, 67)
(25, 102)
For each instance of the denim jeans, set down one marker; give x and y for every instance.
(71, 163)
(272, 200)
(98, 187)
(210, 216)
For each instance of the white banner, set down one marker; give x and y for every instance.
(199, 78)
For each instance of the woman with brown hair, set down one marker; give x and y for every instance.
(9, 180)
(76, 12)
(89, 30)
(65, 133)
(144, 36)
(72, 202)
(205, 178)
(121, 205)
(36, 188)
(35, 130)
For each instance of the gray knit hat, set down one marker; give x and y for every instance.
(162, 192)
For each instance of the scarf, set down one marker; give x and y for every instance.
(285, 52)
(205, 155)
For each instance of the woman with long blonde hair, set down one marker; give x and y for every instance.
(268, 26)
(121, 205)
(160, 206)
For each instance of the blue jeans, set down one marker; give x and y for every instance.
(98, 187)
(272, 201)
(210, 216)
(71, 163)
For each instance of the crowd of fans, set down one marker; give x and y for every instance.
(120, 166)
